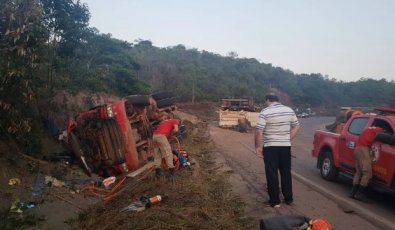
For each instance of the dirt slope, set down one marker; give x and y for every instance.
(200, 198)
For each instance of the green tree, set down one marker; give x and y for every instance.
(20, 42)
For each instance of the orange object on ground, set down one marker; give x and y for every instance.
(155, 199)
(320, 224)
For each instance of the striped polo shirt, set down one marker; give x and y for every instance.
(276, 121)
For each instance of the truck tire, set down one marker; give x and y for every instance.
(328, 169)
(162, 95)
(138, 100)
(166, 102)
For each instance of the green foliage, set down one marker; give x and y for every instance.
(20, 44)
(201, 75)
(66, 22)
(47, 46)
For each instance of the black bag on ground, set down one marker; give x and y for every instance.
(284, 222)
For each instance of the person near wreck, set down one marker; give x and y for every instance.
(162, 147)
(363, 162)
(277, 125)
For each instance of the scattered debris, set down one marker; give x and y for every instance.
(14, 181)
(136, 206)
(54, 182)
(294, 222)
(18, 206)
(145, 201)
(38, 186)
(108, 181)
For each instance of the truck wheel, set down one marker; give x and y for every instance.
(328, 169)
(162, 95)
(138, 100)
(166, 102)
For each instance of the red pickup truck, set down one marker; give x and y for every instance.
(335, 151)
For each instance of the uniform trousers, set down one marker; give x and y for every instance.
(363, 166)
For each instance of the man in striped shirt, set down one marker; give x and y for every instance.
(277, 125)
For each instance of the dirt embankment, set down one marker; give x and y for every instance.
(199, 198)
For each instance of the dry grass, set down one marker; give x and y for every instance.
(200, 198)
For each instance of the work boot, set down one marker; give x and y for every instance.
(172, 175)
(158, 172)
(360, 194)
(354, 190)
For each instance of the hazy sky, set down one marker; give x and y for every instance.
(344, 39)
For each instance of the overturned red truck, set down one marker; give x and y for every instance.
(116, 137)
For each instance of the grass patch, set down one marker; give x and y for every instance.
(200, 198)
(11, 221)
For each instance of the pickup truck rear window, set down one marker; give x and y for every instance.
(357, 125)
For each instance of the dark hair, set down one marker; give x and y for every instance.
(271, 97)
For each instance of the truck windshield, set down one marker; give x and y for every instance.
(357, 125)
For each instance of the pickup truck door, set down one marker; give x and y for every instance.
(348, 139)
(383, 156)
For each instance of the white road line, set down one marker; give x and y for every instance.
(359, 210)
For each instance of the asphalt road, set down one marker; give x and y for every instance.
(380, 204)
(314, 197)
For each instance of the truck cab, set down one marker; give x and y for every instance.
(335, 152)
(116, 137)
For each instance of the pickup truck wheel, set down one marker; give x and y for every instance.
(328, 169)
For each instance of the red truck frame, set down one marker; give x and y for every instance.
(335, 151)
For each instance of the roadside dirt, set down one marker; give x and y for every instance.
(223, 189)
(200, 197)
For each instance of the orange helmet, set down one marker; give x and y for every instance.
(320, 224)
